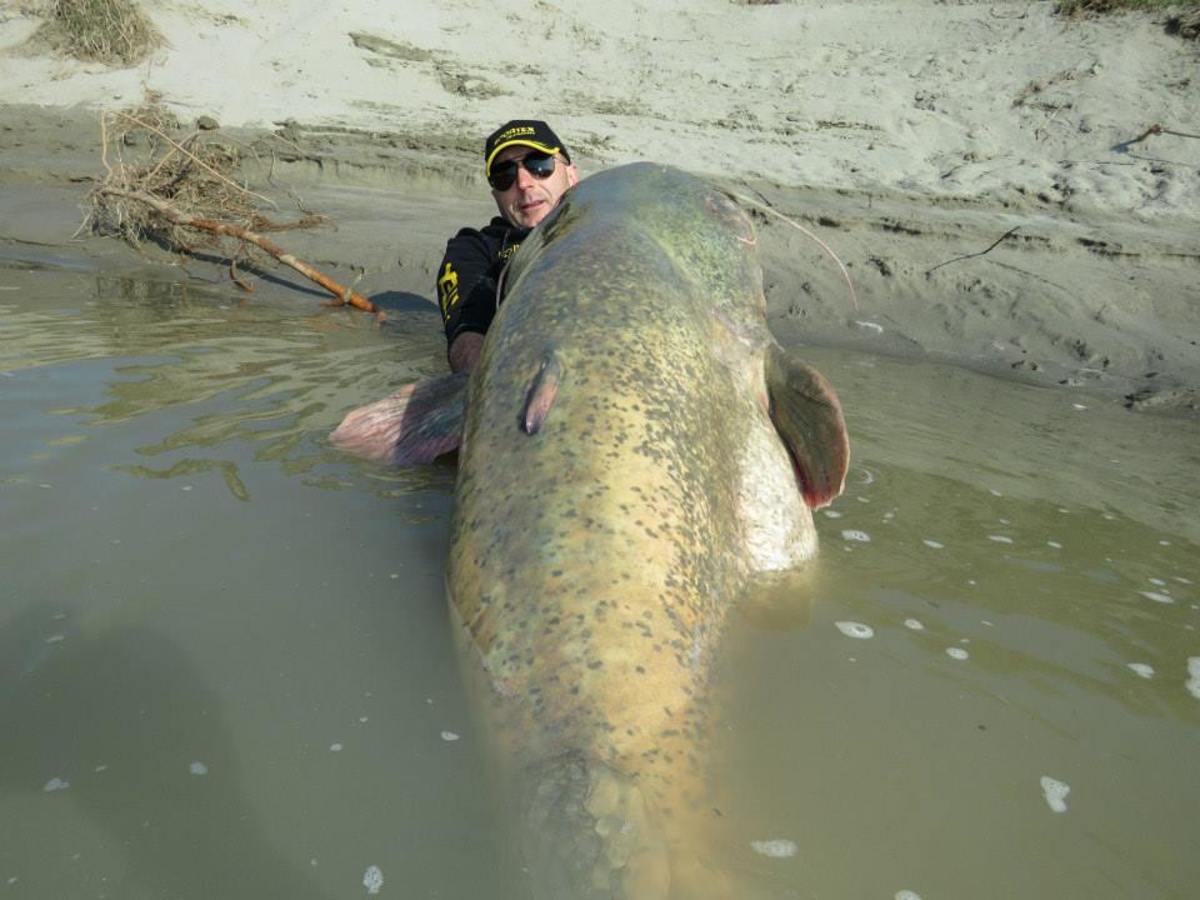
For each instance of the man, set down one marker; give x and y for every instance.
(529, 170)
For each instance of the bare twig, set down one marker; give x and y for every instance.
(238, 279)
(990, 248)
(1152, 130)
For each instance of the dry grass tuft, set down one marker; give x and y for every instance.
(1076, 8)
(114, 32)
(1184, 22)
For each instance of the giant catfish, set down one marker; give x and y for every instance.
(635, 447)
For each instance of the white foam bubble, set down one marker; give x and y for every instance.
(931, 543)
(1055, 792)
(851, 534)
(56, 638)
(373, 879)
(1164, 543)
(855, 630)
(957, 653)
(1142, 669)
(1000, 538)
(1078, 406)
(994, 492)
(871, 326)
(776, 848)
(336, 748)
(832, 514)
(1157, 596)
(1182, 580)
(1157, 581)
(449, 736)
(914, 624)
(56, 784)
(1055, 544)
(1193, 682)
(198, 768)
(907, 895)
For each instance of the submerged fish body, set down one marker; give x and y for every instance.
(621, 476)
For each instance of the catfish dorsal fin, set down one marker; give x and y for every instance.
(417, 424)
(808, 416)
(540, 396)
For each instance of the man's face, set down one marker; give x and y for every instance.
(530, 199)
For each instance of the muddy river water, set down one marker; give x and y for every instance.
(226, 669)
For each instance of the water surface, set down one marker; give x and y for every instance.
(226, 667)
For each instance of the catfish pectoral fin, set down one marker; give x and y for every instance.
(540, 396)
(417, 424)
(808, 416)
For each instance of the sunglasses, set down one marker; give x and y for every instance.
(539, 165)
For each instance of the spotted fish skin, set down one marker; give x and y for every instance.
(620, 478)
(633, 447)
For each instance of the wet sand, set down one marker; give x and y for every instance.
(973, 165)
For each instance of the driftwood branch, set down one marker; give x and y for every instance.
(1152, 130)
(342, 294)
(992, 247)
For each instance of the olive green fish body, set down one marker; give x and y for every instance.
(621, 476)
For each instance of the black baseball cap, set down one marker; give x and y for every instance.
(522, 133)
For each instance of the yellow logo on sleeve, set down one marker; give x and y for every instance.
(447, 287)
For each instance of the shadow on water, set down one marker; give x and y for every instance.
(120, 729)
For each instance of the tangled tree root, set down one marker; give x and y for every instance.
(183, 196)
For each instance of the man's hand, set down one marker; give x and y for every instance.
(465, 350)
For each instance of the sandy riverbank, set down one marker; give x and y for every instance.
(907, 133)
